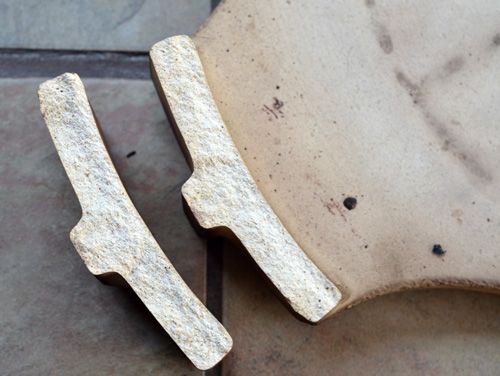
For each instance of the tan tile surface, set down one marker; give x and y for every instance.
(415, 333)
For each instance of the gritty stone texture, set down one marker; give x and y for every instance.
(441, 332)
(112, 237)
(131, 25)
(55, 317)
(221, 192)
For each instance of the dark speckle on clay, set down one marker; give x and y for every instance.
(454, 65)
(350, 203)
(496, 40)
(384, 39)
(438, 250)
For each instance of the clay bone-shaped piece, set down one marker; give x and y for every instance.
(112, 237)
(221, 193)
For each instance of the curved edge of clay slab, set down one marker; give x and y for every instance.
(221, 193)
(111, 237)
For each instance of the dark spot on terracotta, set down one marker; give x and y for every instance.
(438, 250)
(496, 40)
(488, 220)
(366, 246)
(275, 111)
(277, 87)
(269, 111)
(370, 3)
(277, 104)
(131, 154)
(334, 208)
(350, 203)
(413, 89)
(454, 65)
(227, 50)
(385, 40)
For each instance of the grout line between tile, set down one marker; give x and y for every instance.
(215, 265)
(19, 63)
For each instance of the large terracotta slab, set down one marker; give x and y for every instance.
(391, 104)
(55, 317)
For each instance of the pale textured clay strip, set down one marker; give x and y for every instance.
(221, 191)
(112, 237)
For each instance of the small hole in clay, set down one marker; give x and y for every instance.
(438, 250)
(350, 203)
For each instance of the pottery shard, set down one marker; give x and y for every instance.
(111, 237)
(221, 192)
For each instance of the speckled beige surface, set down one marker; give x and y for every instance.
(111, 236)
(221, 191)
(394, 103)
